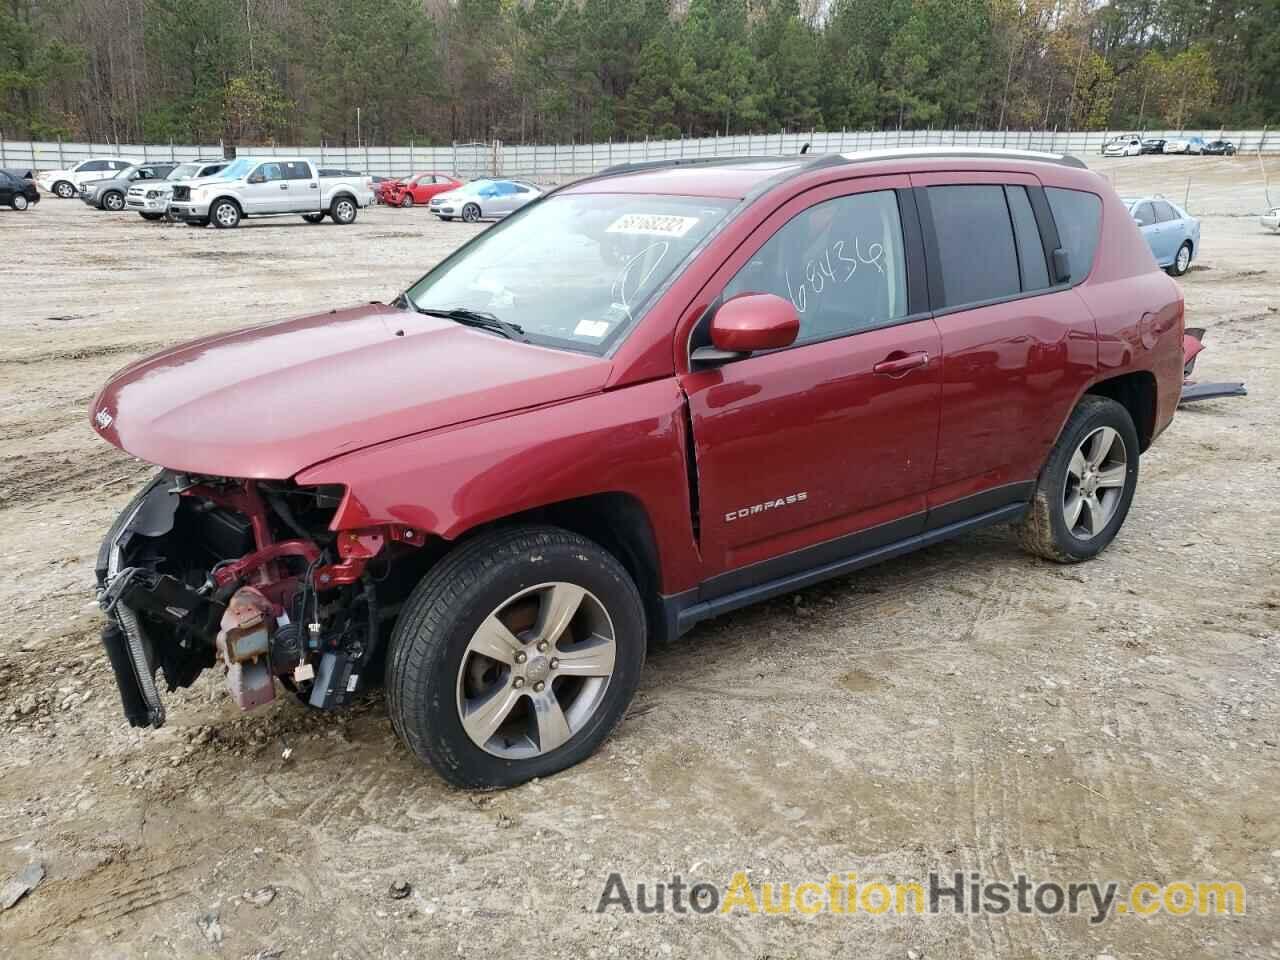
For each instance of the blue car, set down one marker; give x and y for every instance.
(1171, 232)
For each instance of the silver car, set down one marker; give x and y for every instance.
(108, 194)
(483, 199)
(151, 200)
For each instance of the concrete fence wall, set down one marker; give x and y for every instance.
(556, 162)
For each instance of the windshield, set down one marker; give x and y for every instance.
(573, 270)
(236, 169)
(184, 171)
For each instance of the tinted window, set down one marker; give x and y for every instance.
(1031, 262)
(975, 243)
(839, 262)
(94, 165)
(1079, 218)
(118, 164)
(1142, 213)
(1164, 212)
(296, 170)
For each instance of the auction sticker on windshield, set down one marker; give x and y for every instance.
(653, 224)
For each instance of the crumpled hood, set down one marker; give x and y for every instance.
(270, 400)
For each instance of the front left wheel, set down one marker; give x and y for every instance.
(471, 213)
(225, 215)
(113, 200)
(515, 657)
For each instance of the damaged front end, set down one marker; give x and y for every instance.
(204, 570)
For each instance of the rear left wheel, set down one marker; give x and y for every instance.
(1084, 491)
(515, 657)
(343, 210)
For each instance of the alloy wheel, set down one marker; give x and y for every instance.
(536, 670)
(1095, 483)
(65, 190)
(19, 202)
(113, 202)
(345, 212)
(226, 215)
(1184, 258)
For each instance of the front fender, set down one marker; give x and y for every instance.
(452, 480)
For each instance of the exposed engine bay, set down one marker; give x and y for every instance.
(204, 571)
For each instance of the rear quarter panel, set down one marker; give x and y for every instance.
(1137, 307)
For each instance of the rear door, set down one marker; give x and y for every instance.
(823, 449)
(304, 186)
(1016, 347)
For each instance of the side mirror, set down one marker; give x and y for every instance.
(747, 323)
(258, 178)
(1061, 266)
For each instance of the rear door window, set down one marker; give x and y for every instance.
(1078, 215)
(296, 170)
(1032, 266)
(978, 258)
(1164, 212)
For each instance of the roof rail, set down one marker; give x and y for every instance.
(991, 153)
(640, 165)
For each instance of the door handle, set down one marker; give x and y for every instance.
(315, 186)
(899, 364)
(284, 186)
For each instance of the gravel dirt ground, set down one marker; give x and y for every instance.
(965, 708)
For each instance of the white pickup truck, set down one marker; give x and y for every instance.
(272, 187)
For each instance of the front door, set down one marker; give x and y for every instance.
(823, 449)
(266, 190)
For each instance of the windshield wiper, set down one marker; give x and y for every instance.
(475, 318)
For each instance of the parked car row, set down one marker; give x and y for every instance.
(1132, 145)
(271, 187)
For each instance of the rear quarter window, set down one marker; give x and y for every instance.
(1078, 215)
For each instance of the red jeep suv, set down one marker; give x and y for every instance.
(650, 397)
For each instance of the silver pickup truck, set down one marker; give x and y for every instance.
(272, 187)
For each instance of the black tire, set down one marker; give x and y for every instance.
(225, 214)
(153, 217)
(313, 217)
(446, 219)
(1043, 530)
(64, 189)
(471, 213)
(430, 643)
(1177, 268)
(202, 222)
(112, 200)
(406, 201)
(19, 202)
(343, 209)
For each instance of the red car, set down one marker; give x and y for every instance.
(645, 399)
(419, 188)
